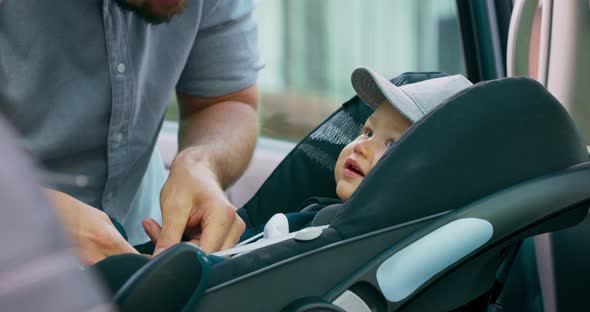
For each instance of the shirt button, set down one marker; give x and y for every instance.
(119, 137)
(108, 196)
(121, 68)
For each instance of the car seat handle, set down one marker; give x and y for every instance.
(168, 282)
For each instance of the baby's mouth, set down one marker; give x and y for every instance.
(352, 168)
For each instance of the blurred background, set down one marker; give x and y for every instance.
(310, 47)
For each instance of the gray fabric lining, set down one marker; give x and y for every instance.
(342, 129)
(323, 158)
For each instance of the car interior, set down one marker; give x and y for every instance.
(480, 206)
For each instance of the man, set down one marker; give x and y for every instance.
(88, 82)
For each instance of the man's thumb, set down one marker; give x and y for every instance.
(170, 234)
(152, 229)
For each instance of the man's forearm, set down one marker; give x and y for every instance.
(216, 141)
(221, 135)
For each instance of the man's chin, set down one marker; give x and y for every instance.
(155, 11)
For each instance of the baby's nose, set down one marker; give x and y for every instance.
(363, 148)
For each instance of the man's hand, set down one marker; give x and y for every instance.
(194, 204)
(217, 136)
(91, 230)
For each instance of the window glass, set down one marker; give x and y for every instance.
(310, 47)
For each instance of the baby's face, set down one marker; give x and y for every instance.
(357, 158)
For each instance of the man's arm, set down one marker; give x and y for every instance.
(222, 128)
(91, 230)
(216, 142)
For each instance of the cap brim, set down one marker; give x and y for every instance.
(373, 89)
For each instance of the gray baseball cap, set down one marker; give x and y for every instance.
(412, 100)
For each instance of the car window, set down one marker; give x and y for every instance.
(309, 48)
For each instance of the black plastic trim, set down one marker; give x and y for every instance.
(484, 33)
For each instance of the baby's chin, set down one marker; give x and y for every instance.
(344, 190)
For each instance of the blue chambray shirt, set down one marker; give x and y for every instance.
(88, 83)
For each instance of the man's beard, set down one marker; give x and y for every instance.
(148, 12)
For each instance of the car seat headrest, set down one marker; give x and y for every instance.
(486, 138)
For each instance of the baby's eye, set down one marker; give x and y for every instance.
(389, 142)
(368, 132)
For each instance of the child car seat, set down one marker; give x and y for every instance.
(430, 226)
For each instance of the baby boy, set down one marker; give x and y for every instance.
(396, 109)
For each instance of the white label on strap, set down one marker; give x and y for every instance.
(267, 242)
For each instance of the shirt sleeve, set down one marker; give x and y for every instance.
(224, 57)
